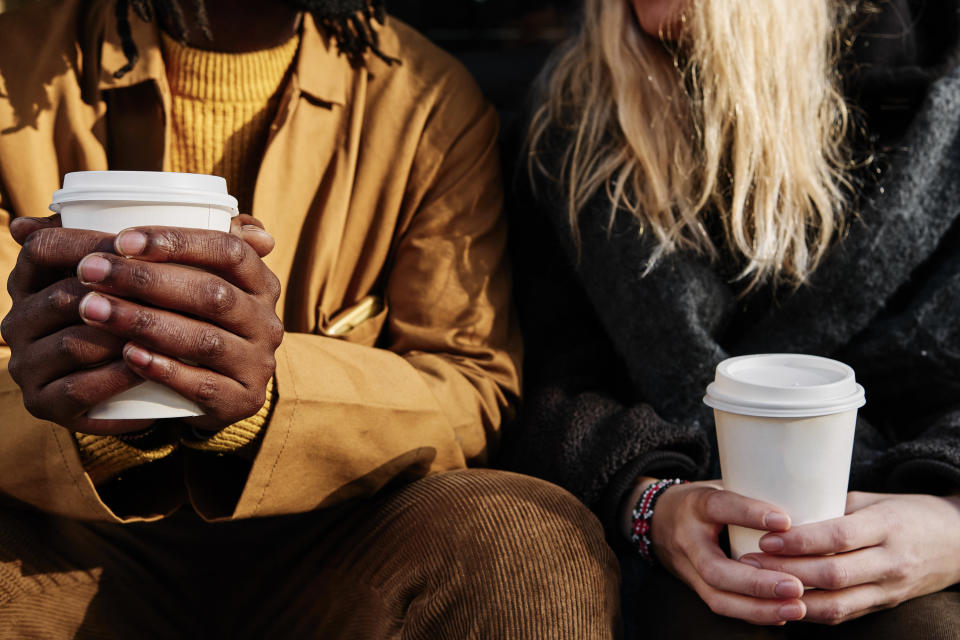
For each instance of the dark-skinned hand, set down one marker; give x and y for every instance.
(219, 315)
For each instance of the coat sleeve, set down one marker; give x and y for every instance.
(349, 418)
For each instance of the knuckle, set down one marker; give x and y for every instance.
(73, 392)
(172, 241)
(677, 541)
(163, 370)
(221, 297)
(211, 345)
(274, 288)
(893, 523)
(233, 249)
(710, 574)
(902, 569)
(16, 368)
(65, 346)
(898, 572)
(32, 247)
(843, 536)
(35, 406)
(60, 301)
(140, 274)
(710, 503)
(7, 328)
(143, 322)
(835, 576)
(275, 331)
(255, 402)
(758, 587)
(269, 365)
(714, 603)
(834, 613)
(208, 390)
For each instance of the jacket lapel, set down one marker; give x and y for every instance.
(302, 192)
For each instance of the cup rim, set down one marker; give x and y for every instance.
(747, 395)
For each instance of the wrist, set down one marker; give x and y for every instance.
(641, 530)
(630, 501)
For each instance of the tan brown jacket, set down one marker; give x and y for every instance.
(380, 181)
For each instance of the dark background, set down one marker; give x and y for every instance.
(504, 43)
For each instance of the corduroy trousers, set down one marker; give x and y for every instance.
(467, 554)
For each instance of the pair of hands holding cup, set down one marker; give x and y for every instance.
(887, 549)
(95, 314)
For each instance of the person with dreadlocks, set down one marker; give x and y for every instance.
(329, 489)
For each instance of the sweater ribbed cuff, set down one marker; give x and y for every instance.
(105, 457)
(241, 438)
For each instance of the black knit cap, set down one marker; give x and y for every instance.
(349, 22)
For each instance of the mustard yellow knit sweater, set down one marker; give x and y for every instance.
(222, 104)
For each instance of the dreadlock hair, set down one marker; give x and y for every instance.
(349, 22)
(352, 26)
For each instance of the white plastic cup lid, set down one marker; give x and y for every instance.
(784, 385)
(144, 186)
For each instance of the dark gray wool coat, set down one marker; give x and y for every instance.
(617, 362)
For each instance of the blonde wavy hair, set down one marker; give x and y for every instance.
(739, 116)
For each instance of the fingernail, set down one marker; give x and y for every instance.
(248, 228)
(93, 269)
(775, 520)
(788, 589)
(137, 356)
(130, 243)
(753, 562)
(95, 307)
(771, 544)
(790, 612)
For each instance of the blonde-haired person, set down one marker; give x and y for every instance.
(722, 177)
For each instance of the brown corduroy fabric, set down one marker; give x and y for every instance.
(466, 554)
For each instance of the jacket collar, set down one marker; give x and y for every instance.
(320, 71)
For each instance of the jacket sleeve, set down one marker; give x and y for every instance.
(349, 418)
(584, 425)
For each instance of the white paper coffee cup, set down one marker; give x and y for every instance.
(111, 201)
(785, 428)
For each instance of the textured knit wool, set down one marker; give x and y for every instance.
(105, 457)
(222, 104)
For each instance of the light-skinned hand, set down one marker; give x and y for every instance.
(687, 523)
(889, 548)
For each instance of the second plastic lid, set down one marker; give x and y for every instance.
(784, 385)
(144, 186)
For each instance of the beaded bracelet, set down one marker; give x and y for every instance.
(642, 519)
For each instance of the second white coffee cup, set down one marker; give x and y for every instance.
(785, 428)
(111, 201)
